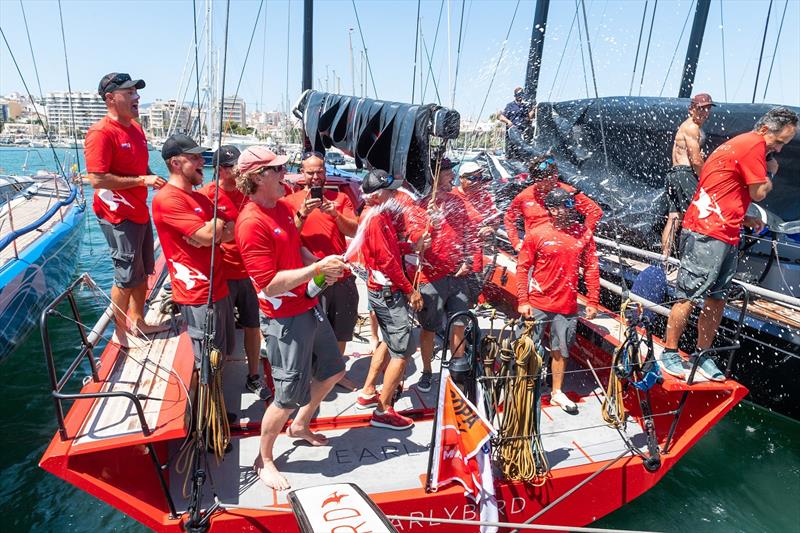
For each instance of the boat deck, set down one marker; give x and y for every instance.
(23, 211)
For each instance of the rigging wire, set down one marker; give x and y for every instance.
(722, 33)
(594, 81)
(246, 55)
(69, 93)
(761, 54)
(433, 52)
(197, 77)
(494, 73)
(288, 46)
(364, 45)
(36, 109)
(580, 46)
(458, 54)
(416, 54)
(775, 52)
(263, 61)
(430, 70)
(638, 46)
(33, 56)
(675, 52)
(563, 53)
(649, 38)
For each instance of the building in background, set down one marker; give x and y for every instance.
(167, 117)
(233, 111)
(86, 108)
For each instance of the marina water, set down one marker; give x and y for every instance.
(744, 475)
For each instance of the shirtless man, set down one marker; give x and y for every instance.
(687, 161)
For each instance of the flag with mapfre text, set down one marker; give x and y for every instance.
(461, 448)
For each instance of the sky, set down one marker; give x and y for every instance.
(153, 40)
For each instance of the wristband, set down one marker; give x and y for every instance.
(300, 216)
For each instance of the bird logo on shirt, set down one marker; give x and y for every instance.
(706, 205)
(276, 301)
(187, 275)
(112, 199)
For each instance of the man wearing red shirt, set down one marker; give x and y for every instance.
(547, 282)
(117, 167)
(483, 217)
(189, 234)
(324, 218)
(737, 172)
(444, 268)
(306, 362)
(243, 296)
(529, 204)
(390, 294)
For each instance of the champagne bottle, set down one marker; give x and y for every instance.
(316, 285)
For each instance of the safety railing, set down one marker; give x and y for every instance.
(86, 353)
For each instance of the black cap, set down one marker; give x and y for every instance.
(178, 144)
(114, 81)
(227, 155)
(446, 164)
(379, 179)
(558, 197)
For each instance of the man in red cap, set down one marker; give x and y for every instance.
(230, 202)
(302, 350)
(117, 167)
(529, 204)
(390, 295)
(738, 171)
(547, 282)
(325, 218)
(687, 162)
(187, 231)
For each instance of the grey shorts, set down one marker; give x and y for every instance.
(131, 250)
(394, 322)
(245, 300)
(449, 294)
(474, 287)
(707, 267)
(340, 303)
(561, 328)
(299, 349)
(681, 184)
(224, 338)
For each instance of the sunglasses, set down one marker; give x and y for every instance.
(311, 153)
(279, 169)
(546, 163)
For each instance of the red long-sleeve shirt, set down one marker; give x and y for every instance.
(481, 212)
(381, 253)
(530, 205)
(547, 268)
(450, 238)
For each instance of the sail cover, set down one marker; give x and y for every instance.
(391, 136)
(626, 173)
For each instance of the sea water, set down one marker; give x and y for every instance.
(742, 476)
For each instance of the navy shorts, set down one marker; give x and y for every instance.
(340, 303)
(245, 300)
(681, 186)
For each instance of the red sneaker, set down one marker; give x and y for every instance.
(390, 420)
(370, 402)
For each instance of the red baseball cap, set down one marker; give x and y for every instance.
(260, 156)
(703, 100)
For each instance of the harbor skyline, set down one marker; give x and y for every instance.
(614, 29)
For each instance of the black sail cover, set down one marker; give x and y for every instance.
(391, 136)
(626, 173)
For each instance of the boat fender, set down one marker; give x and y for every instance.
(651, 284)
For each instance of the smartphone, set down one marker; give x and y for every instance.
(317, 192)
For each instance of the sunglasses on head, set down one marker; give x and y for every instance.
(311, 153)
(545, 163)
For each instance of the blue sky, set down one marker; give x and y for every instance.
(152, 40)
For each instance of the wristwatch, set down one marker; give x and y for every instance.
(300, 216)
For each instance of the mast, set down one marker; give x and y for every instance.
(308, 43)
(537, 45)
(693, 50)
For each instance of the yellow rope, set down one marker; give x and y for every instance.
(613, 408)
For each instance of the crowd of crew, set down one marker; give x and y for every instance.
(262, 255)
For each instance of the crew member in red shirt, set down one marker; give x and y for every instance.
(297, 334)
(117, 167)
(547, 282)
(243, 296)
(483, 217)
(390, 294)
(529, 204)
(444, 268)
(187, 231)
(324, 218)
(737, 172)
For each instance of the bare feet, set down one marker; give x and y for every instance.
(347, 383)
(314, 439)
(269, 474)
